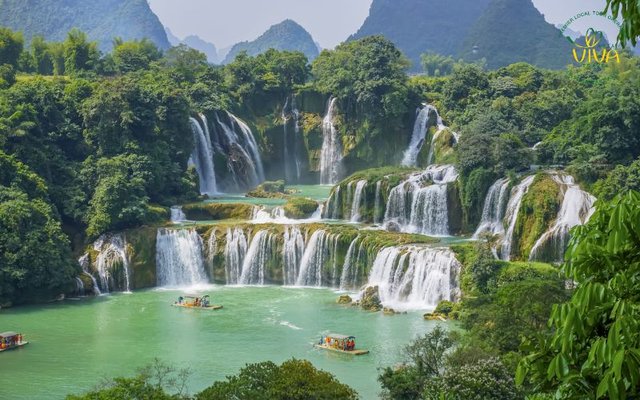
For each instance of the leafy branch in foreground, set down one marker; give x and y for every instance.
(594, 351)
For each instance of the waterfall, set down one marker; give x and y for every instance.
(377, 204)
(234, 253)
(111, 253)
(576, 209)
(333, 204)
(79, 286)
(251, 144)
(493, 210)
(357, 201)
(418, 137)
(410, 277)
(349, 277)
(277, 216)
(212, 247)
(320, 251)
(349, 198)
(433, 141)
(511, 215)
(331, 154)
(202, 156)
(259, 252)
(419, 204)
(179, 258)
(246, 159)
(84, 264)
(292, 252)
(287, 157)
(177, 215)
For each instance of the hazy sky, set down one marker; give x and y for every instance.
(226, 22)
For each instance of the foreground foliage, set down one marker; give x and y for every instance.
(594, 349)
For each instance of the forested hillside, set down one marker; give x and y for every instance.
(102, 20)
(468, 29)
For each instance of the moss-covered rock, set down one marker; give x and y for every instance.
(268, 189)
(345, 299)
(370, 299)
(538, 210)
(141, 249)
(300, 207)
(217, 211)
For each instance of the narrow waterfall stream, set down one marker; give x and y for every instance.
(358, 199)
(234, 253)
(331, 153)
(202, 156)
(511, 215)
(493, 210)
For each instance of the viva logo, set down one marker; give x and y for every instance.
(589, 52)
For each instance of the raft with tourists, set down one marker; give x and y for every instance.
(11, 340)
(196, 302)
(344, 344)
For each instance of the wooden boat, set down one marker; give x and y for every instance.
(339, 344)
(196, 302)
(11, 340)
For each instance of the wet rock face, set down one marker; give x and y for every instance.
(370, 300)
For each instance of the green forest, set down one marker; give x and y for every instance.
(94, 142)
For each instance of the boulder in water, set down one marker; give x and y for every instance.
(434, 316)
(389, 311)
(393, 226)
(345, 299)
(371, 299)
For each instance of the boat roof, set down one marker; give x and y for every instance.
(339, 336)
(8, 334)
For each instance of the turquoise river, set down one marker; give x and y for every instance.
(75, 344)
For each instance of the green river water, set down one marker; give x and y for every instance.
(74, 344)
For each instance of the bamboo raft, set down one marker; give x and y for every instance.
(355, 352)
(211, 307)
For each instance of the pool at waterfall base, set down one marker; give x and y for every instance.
(76, 344)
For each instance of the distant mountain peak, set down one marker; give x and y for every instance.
(286, 35)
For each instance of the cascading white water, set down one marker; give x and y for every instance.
(357, 201)
(202, 156)
(511, 215)
(259, 252)
(333, 204)
(349, 276)
(177, 215)
(246, 149)
(235, 251)
(292, 252)
(212, 247)
(79, 286)
(320, 251)
(84, 264)
(493, 210)
(111, 253)
(377, 203)
(419, 204)
(179, 258)
(410, 277)
(251, 143)
(576, 209)
(331, 154)
(277, 216)
(290, 161)
(418, 137)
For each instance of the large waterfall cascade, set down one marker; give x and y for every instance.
(292, 252)
(112, 252)
(251, 144)
(419, 204)
(179, 258)
(415, 277)
(576, 209)
(234, 253)
(202, 156)
(331, 153)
